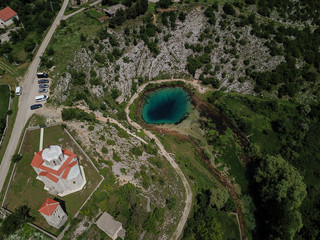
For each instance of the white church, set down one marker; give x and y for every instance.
(59, 170)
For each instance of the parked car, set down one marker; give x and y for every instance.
(41, 98)
(43, 81)
(18, 90)
(42, 75)
(43, 85)
(35, 106)
(42, 90)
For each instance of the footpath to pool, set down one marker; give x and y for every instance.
(188, 201)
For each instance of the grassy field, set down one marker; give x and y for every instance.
(94, 13)
(197, 173)
(256, 124)
(229, 225)
(190, 163)
(32, 193)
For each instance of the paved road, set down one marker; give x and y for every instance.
(29, 91)
(177, 233)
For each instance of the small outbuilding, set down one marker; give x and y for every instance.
(6, 17)
(110, 226)
(111, 11)
(53, 213)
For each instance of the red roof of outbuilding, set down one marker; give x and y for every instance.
(48, 206)
(7, 13)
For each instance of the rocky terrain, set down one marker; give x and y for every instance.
(228, 59)
(113, 148)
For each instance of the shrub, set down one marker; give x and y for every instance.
(100, 58)
(156, 162)
(76, 113)
(105, 150)
(171, 202)
(16, 158)
(82, 38)
(136, 151)
(78, 78)
(116, 157)
(228, 9)
(50, 51)
(111, 142)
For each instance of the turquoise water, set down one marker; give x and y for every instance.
(167, 105)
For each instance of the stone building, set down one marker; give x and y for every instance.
(53, 213)
(59, 170)
(6, 17)
(111, 11)
(110, 226)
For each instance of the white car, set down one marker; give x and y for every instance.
(18, 90)
(41, 98)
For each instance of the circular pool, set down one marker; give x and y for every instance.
(166, 105)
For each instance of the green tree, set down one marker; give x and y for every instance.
(228, 9)
(218, 198)
(14, 221)
(281, 191)
(208, 230)
(280, 182)
(163, 3)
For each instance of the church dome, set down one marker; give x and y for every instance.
(52, 152)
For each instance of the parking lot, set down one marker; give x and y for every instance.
(43, 84)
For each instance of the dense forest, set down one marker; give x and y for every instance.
(284, 171)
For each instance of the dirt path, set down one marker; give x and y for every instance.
(177, 233)
(29, 91)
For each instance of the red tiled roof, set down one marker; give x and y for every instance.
(7, 13)
(37, 159)
(48, 206)
(67, 152)
(66, 172)
(50, 176)
(37, 162)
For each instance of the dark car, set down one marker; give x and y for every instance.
(42, 90)
(35, 106)
(42, 75)
(43, 86)
(43, 81)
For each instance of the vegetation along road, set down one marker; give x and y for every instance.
(29, 91)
